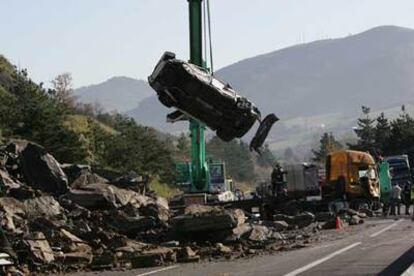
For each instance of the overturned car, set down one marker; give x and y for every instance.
(197, 94)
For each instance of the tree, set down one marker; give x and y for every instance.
(183, 146)
(382, 134)
(236, 155)
(365, 131)
(63, 90)
(328, 144)
(267, 158)
(137, 148)
(402, 136)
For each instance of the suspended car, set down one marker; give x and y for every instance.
(197, 94)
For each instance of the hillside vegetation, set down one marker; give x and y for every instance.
(79, 133)
(75, 133)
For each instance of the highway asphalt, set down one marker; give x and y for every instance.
(378, 247)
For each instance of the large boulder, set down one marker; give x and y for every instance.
(301, 220)
(130, 225)
(87, 178)
(73, 171)
(199, 218)
(154, 257)
(103, 196)
(44, 206)
(42, 171)
(304, 219)
(259, 233)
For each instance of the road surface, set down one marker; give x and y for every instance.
(384, 247)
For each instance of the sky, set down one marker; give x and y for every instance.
(98, 39)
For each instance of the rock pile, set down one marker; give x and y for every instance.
(68, 217)
(57, 221)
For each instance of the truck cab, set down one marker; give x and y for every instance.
(351, 175)
(400, 169)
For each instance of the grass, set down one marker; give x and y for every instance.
(82, 124)
(163, 189)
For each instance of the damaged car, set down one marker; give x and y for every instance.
(199, 95)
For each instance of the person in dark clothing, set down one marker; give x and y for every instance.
(277, 179)
(407, 197)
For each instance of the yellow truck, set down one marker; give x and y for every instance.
(351, 176)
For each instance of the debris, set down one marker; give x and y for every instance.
(240, 231)
(223, 249)
(44, 206)
(154, 257)
(7, 182)
(39, 247)
(187, 255)
(279, 225)
(109, 223)
(42, 171)
(355, 220)
(104, 196)
(304, 219)
(259, 233)
(198, 218)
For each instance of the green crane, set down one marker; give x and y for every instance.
(200, 176)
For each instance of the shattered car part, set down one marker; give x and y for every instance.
(196, 93)
(262, 132)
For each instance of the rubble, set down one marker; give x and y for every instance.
(42, 171)
(67, 217)
(199, 218)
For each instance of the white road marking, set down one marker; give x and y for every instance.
(158, 270)
(409, 271)
(385, 229)
(317, 262)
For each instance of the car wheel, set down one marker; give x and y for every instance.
(224, 135)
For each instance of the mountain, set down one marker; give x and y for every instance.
(117, 93)
(312, 87)
(318, 86)
(374, 68)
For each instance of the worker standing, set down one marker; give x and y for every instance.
(277, 180)
(407, 197)
(396, 199)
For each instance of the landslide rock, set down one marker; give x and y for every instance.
(44, 206)
(186, 255)
(259, 233)
(200, 218)
(6, 181)
(86, 178)
(154, 257)
(304, 219)
(239, 232)
(14, 214)
(131, 225)
(39, 248)
(105, 196)
(42, 171)
(354, 220)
